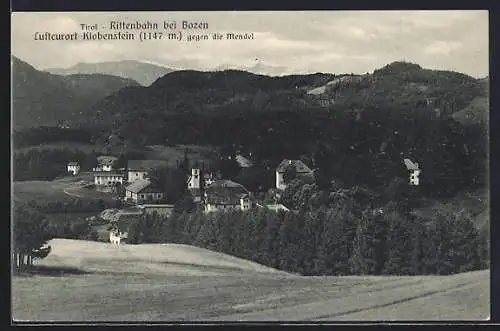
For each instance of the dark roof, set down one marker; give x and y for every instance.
(145, 165)
(225, 192)
(300, 166)
(143, 186)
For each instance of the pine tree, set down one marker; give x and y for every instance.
(369, 249)
(31, 233)
(399, 246)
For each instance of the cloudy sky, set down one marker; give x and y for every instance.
(285, 42)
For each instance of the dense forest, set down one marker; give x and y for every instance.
(336, 239)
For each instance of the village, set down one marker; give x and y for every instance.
(208, 190)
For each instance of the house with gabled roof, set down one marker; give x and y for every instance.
(225, 195)
(73, 168)
(143, 191)
(300, 168)
(139, 169)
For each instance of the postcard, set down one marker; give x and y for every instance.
(250, 166)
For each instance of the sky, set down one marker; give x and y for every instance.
(284, 42)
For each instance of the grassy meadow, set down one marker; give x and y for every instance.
(102, 282)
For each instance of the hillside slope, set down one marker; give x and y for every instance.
(99, 257)
(143, 73)
(40, 98)
(402, 84)
(184, 283)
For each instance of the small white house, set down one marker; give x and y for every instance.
(301, 171)
(73, 168)
(414, 180)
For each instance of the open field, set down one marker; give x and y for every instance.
(184, 283)
(41, 190)
(63, 189)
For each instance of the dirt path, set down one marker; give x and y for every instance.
(72, 194)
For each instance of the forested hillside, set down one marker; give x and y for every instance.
(40, 98)
(356, 130)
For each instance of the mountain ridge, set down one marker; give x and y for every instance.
(142, 72)
(41, 98)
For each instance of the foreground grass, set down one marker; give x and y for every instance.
(185, 283)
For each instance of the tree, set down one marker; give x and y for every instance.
(336, 240)
(369, 248)
(186, 204)
(288, 196)
(399, 245)
(171, 181)
(31, 233)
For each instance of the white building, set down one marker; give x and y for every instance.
(224, 195)
(74, 168)
(414, 180)
(194, 184)
(107, 178)
(301, 171)
(194, 180)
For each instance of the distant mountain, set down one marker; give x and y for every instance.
(258, 68)
(41, 98)
(206, 92)
(399, 85)
(141, 72)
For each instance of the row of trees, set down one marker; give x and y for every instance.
(334, 240)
